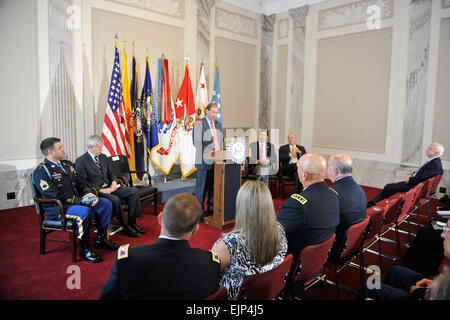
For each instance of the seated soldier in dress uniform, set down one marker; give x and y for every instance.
(310, 217)
(169, 268)
(57, 179)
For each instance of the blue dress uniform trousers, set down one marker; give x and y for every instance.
(83, 215)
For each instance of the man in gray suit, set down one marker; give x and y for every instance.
(208, 137)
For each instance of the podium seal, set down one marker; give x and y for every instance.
(237, 150)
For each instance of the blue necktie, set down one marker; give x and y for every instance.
(97, 162)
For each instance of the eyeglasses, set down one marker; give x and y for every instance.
(437, 225)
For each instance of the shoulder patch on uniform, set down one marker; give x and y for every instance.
(122, 252)
(215, 256)
(299, 198)
(44, 184)
(334, 191)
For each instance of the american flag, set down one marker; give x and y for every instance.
(115, 130)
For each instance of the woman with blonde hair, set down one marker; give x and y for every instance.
(257, 243)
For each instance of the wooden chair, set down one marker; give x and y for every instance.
(47, 226)
(266, 285)
(283, 179)
(148, 194)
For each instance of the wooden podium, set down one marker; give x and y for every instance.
(227, 181)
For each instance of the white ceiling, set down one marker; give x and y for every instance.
(271, 6)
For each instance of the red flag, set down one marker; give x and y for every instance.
(166, 111)
(115, 129)
(185, 103)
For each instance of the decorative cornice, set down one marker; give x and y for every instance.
(174, 8)
(353, 13)
(235, 22)
(445, 4)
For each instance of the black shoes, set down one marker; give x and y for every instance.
(88, 255)
(102, 242)
(130, 232)
(139, 230)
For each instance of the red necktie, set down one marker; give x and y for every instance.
(216, 143)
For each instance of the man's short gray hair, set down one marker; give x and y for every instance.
(342, 166)
(94, 140)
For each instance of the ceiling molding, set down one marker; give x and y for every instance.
(268, 7)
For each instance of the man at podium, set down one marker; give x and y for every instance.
(208, 137)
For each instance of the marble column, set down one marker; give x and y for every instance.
(267, 24)
(203, 32)
(298, 18)
(416, 90)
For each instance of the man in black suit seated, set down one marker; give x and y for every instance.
(94, 171)
(168, 269)
(432, 167)
(289, 155)
(310, 217)
(352, 199)
(263, 157)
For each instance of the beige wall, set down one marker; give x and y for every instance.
(352, 91)
(237, 70)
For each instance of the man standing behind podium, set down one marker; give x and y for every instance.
(207, 137)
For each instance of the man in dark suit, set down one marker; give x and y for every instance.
(94, 171)
(310, 217)
(352, 199)
(208, 137)
(289, 155)
(432, 167)
(168, 269)
(263, 157)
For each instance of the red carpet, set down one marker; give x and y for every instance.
(25, 274)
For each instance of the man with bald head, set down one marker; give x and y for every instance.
(431, 168)
(289, 155)
(352, 199)
(310, 217)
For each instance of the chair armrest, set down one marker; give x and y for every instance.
(60, 205)
(145, 172)
(123, 181)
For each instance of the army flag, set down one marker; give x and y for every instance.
(201, 99)
(165, 155)
(216, 98)
(185, 113)
(115, 131)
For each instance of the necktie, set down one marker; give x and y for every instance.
(216, 143)
(97, 162)
(261, 151)
(293, 156)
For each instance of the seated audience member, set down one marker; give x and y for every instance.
(289, 155)
(352, 199)
(432, 167)
(310, 217)
(257, 244)
(404, 283)
(263, 157)
(169, 268)
(56, 179)
(440, 290)
(94, 171)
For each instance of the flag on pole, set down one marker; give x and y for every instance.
(115, 131)
(216, 98)
(165, 155)
(149, 126)
(185, 113)
(201, 100)
(137, 122)
(128, 111)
